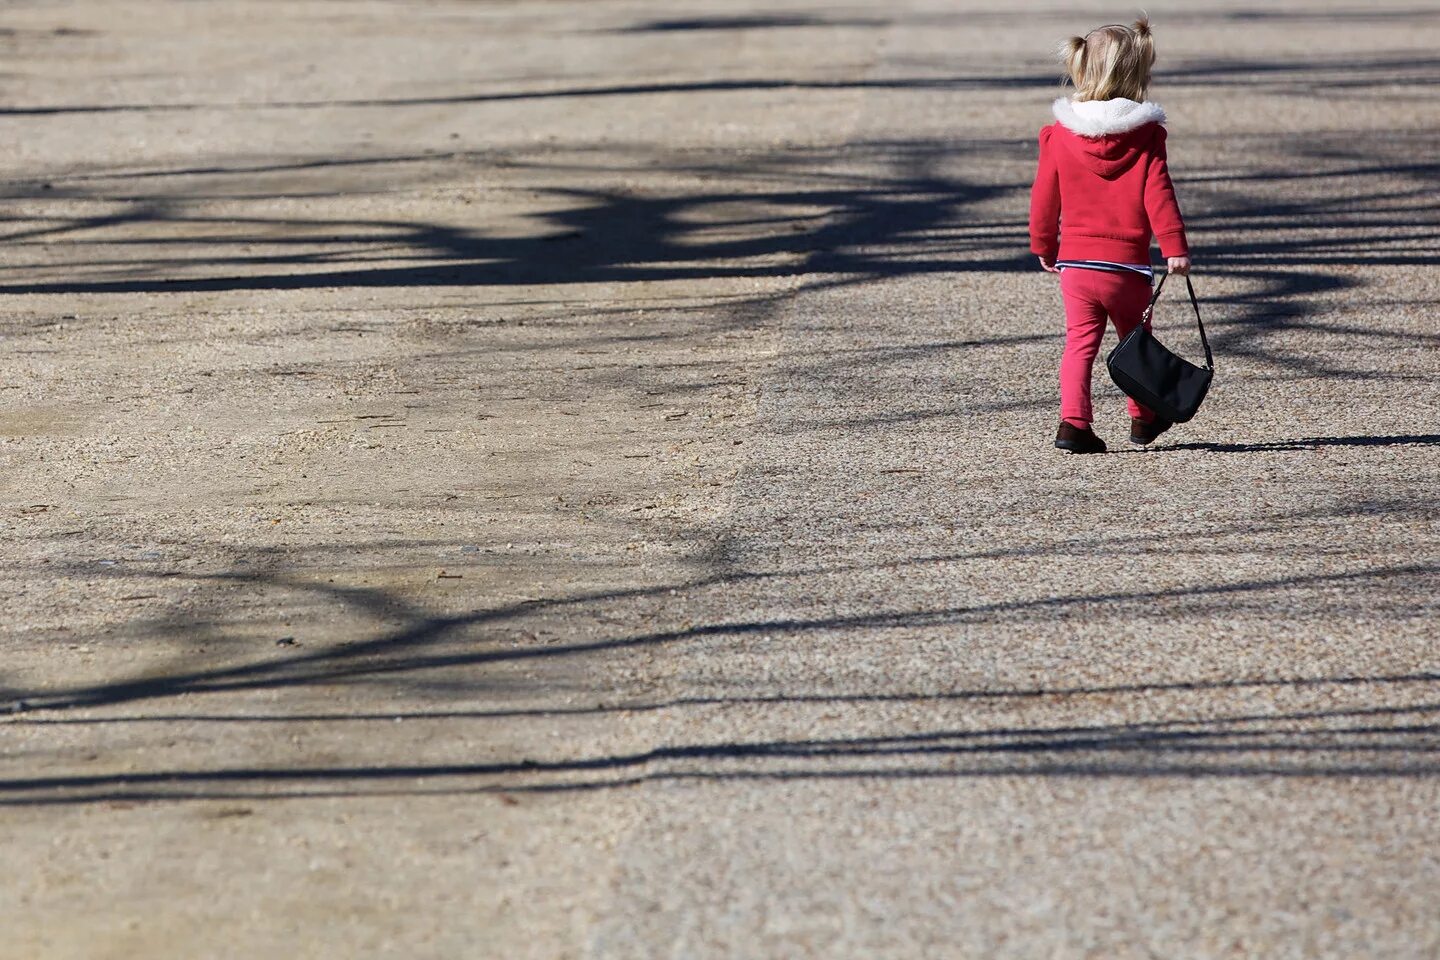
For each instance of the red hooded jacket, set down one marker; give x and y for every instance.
(1101, 193)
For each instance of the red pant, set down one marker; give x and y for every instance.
(1090, 296)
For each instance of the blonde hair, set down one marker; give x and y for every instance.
(1111, 61)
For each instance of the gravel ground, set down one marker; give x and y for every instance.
(555, 479)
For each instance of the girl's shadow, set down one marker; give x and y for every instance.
(1312, 443)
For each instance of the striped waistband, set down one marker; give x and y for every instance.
(1143, 269)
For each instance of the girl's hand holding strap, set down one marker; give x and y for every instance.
(1178, 265)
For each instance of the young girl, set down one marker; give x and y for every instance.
(1102, 170)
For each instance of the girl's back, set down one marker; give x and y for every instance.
(1102, 191)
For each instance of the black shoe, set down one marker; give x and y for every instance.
(1142, 432)
(1078, 439)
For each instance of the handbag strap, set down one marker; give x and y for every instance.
(1194, 303)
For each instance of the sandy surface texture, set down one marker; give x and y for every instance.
(552, 479)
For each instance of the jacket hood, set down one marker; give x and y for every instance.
(1108, 136)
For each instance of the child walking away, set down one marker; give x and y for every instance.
(1102, 190)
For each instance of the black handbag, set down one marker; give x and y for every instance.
(1154, 377)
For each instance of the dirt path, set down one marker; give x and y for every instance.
(549, 479)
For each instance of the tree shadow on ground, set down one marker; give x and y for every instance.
(767, 22)
(785, 206)
(1335, 725)
(425, 641)
(1363, 741)
(1293, 228)
(1286, 241)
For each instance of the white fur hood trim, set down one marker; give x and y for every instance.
(1099, 118)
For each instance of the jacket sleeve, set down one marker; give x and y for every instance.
(1045, 203)
(1161, 206)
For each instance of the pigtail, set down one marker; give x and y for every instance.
(1144, 42)
(1072, 54)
